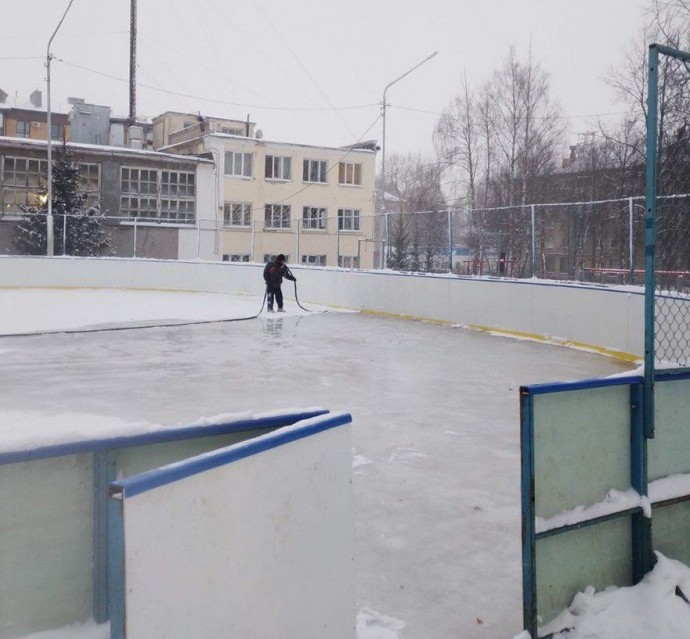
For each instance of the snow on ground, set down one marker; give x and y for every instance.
(436, 474)
(656, 608)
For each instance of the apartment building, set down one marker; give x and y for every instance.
(314, 204)
(29, 120)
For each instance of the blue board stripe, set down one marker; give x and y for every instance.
(144, 482)
(157, 437)
(583, 384)
(587, 522)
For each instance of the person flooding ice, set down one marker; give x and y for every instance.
(274, 272)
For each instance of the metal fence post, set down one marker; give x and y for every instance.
(337, 245)
(450, 240)
(134, 253)
(251, 257)
(297, 243)
(650, 231)
(64, 233)
(631, 259)
(534, 241)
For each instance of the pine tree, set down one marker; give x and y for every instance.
(84, 234)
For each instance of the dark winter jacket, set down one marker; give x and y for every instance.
(275, 272)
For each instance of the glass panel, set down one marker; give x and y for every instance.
(358, 174)
(269, 166)
(287, 168)
(341, 173)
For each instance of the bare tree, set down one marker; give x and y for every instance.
(418, 226)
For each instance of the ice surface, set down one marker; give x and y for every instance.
(435, 432)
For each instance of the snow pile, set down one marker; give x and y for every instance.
(656, 608)
(87, 630)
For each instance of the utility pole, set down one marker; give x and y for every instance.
(133, 62)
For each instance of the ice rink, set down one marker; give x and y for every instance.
(436, 432)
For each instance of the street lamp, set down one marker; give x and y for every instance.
(49, 220)
(383, 144)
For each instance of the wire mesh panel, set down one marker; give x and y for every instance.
(668, 207)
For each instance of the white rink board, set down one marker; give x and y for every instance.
(594, 316)
(259, 548)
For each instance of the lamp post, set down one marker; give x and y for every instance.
(49, 220)
(383, 144)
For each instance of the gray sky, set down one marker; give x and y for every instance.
(239, 58)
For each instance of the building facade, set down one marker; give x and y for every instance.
(151, 201)
(314, 204)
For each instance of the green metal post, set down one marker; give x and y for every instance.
(650, 238)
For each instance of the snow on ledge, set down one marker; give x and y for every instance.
(615, 501)
(669, 487)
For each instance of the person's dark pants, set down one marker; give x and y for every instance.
(274, 291)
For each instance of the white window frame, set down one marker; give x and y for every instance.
(321, 170)
(314, 218)
(237, 214)
(314, 260)
(277, 217)
(269, 257)
(280, 168)
(160, 194)
(350, 173)
(26, 129)
(348, 261)
(349, 220)
(239, 164)
(236, 257)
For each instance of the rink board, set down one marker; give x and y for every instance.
(54, 516)
(255, 540)
(579, 441)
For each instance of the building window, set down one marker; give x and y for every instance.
(24, 180)
(350, 173)
(23, 129)
(132, 206)
(314, 218)
(56, 131)
(90, 182)
(230, 131)
(269, 257)
(237, 214)
(141, 181)
(278, 168)
(348, 219)
(235, 257)
(167, 196)
(238, 164)
(348, 261)
(277, 216)
(314, 260)
(314, 171)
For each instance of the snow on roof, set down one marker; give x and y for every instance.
(112, 150)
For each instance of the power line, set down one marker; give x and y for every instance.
(555, 117)
(24, 57)
(214, 100)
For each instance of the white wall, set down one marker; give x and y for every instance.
(598, 317)
(261, 547)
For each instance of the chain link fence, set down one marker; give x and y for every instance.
(668, 175)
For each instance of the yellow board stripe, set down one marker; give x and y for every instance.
(535, 337)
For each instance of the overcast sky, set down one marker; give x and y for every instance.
(276, 59)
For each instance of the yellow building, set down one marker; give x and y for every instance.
(314, 204)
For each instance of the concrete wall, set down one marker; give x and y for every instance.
(604, 319)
